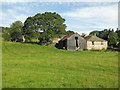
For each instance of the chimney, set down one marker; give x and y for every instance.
(83, 34)
(94, 34)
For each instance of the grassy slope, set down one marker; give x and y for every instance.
(26, 65)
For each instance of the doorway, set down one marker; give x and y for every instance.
(76, 39)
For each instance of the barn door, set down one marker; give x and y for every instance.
(76, 40)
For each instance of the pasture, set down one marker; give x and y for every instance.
(35, 66)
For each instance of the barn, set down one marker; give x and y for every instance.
(72, 42)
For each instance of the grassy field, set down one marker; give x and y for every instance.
(35, 66)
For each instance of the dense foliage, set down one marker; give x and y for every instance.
(14, 33)
(44, 26)
(6, 33)
(16, 30)
(69, 32)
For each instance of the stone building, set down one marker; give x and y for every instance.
(95, 43)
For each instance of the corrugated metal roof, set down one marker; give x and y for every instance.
(68, 36)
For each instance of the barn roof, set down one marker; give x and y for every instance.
(94, 38)
(68, 36)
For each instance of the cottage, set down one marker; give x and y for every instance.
(95, 43)
(72, 42)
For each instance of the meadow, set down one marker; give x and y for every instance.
(35, 66)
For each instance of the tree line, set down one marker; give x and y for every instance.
(44, 27)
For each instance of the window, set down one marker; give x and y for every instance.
(101, 42)
(92, 42)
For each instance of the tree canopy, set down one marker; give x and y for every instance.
(44, 26)
(6, 33)
(16, 30)
(118, 32)
(69, 32)
(113, 39)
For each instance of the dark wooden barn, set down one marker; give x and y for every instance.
(72, 42)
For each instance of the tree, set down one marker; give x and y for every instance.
(6, 33)
(29, 29)
(113, 39)
(69, 32)
(95, 32)
(45, 26)
(16, 30)
(102, 34)
(118, 32)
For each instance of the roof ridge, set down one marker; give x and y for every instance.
(67, 36)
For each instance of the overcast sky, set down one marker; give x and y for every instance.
(81, 17)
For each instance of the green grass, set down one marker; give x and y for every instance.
(35, 66)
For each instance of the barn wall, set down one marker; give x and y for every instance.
(59, 45)
(82, 43)
(65, 44)
(97, 45)
(71, 45)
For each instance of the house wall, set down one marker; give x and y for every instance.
(97, 45)
(71, 43)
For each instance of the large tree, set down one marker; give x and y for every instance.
(16, 30)
(29, 28)
(48, 25)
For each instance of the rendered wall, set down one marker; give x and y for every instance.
(97, 45)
